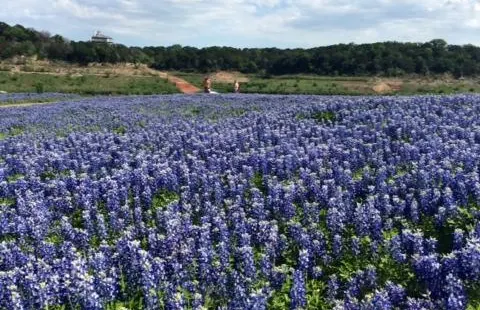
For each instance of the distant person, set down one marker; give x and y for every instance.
(207, 85)
(236, 87)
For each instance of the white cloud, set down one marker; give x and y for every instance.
(246, 23)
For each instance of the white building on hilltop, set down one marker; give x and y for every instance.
(99, 37)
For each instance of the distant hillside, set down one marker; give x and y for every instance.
(382, 59)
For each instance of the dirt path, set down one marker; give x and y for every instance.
(184, 86)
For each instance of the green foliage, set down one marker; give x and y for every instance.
(162, 198)
(55, 239)
(358, 174)
(48, 175)
(95, 241)
(6, 202)
(195, 111)
(324, 116)
(8, 237)
(474, 297)
(39, 87)
(237, 112)
(77, 219)
(16, 131)
(257, 181)
(280, 299)
(120, 130)
(15, 177)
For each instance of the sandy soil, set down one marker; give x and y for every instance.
(229, 77)
(383, 86)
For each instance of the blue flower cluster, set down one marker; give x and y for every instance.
(241, 202)
(34, 97)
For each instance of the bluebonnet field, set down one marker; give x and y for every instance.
(241, 202)
(34, 97)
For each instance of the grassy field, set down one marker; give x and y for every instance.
(85, 84)
(94, 81)
(321, 85)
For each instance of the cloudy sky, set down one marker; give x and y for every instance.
(251, 23)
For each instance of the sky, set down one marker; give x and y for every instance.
(250, 23)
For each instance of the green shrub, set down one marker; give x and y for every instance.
(39, 87)
(27, 68)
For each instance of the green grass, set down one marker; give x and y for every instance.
(7, 202)
(16, 130)
(121, 130)
(12, 132)
(15, 177)
(257, 181)
(329, 85)
(313, 77)
(288, 84)
(163, 198)
(111, 84)
(49, 100)
(86, 85)
(297, 85)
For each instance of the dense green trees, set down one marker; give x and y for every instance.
(387, 58)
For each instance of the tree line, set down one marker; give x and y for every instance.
(383, 58)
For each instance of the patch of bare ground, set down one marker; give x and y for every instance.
(383, 86)
(357, 86)
(229, 77)
(182, 85)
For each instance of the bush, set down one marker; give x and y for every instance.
(27, 68)
(39, 87)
